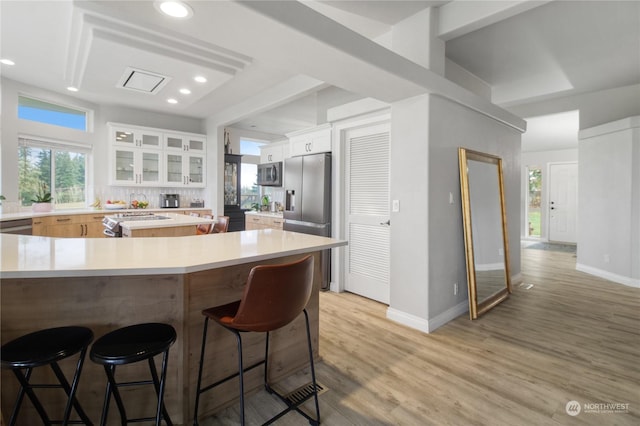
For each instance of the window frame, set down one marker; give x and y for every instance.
(88, 113)
(54, 146)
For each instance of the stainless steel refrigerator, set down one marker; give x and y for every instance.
(307, 184)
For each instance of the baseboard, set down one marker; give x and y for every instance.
(516, 279)
(427, 326)
(620, 279)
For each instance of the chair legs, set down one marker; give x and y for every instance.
(70, 390)
(268, 388)
(158, 384)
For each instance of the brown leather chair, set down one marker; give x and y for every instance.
(221, 225)
(205, 228)
(274, 296)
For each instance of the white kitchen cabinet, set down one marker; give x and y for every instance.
(184, 169)
(136, 166)
(273, 152)
(142, 156)
(310, 141)
(132, 136)
(185, 142)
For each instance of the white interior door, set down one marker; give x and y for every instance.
(563, 202)
(367, 206)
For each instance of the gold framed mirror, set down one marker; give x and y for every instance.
(485, 230)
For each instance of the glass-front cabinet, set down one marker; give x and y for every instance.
(232, 180)
(135, 137)
(185, 170)
(152, 157)
(232, 192)
(136, 167)
(185, 142)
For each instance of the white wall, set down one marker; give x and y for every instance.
(541, 159)
(453, 126)
(427, 245)
(609, 197)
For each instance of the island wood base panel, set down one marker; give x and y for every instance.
(107, 303)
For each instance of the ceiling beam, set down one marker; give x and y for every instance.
(461, 17)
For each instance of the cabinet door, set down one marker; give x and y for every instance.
(136, 167)
(133, 137)
(173, 170)
(231, 183)
(123, 166)
(184, 142)
(311, 143)
(271, 154)
(196, 170)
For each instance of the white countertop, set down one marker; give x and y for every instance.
(175, 219)
(266, 214)
(26, 256)
(106, 212)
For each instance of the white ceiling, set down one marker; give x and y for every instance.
(556, 49)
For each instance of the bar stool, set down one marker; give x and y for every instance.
(47, 347)
(128, 345)
(273, 297)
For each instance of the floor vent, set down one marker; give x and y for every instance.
(303, 392)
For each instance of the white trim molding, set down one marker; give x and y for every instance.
(424, 325)
(620, 279)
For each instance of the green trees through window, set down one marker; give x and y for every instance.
(63, 171)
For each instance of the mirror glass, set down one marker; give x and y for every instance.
(485, 231)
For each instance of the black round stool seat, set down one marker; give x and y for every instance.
(45, 346)
(133, 343)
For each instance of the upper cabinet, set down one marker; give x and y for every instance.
(135, 137)
(311, 141)
(274, 152)
(153, 157)
(195, 144)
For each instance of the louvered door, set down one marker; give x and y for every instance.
(367, 203)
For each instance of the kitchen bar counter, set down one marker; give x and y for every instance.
(109, 283)
(36, 257)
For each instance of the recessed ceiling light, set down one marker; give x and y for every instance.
(172, 101)
(72, 89)
(174, 8)
(200, 79)
(7, 62)
(185, 91)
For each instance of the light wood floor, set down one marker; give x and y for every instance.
(570, 336)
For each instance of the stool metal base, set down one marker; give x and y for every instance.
(46, 347)
(291, 406)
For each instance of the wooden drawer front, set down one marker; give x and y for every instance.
(61, 219)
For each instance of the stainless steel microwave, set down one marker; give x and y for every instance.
(270, 174)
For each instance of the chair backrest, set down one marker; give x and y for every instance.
(205, 228)
(274, 295)
(221, 225)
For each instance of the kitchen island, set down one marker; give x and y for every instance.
(157, 224)
(110, 283)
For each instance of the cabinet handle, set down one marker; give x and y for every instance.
(63, 220)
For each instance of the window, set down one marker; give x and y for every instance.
(249, 192)
(533, 197)
(45, 112)
(61, 167)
